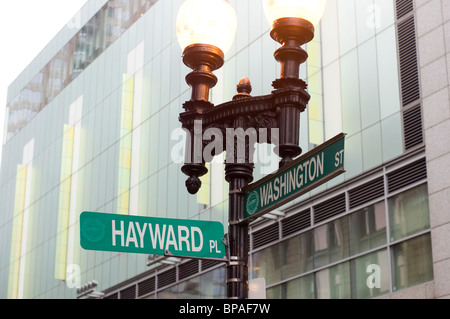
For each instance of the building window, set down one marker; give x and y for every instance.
(360, 253)
(409, 213)
(331, 242)
(334, 282)
(369, 277)
(268, 264)
(368, 228)
(297, 254)
(208, 285)
(412, 262)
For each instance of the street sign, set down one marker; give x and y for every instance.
(299, 177)
(149, 235)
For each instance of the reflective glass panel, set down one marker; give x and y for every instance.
(334, 282)
(370, 275)
(412, 262)
(189, 289)
(409, 212)
(368, 228)
(212, 284)
(331, 242)
(267, 264)
(301, 288)
(297, 255)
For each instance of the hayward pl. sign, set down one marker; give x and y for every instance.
(152, 236)
(302, 175)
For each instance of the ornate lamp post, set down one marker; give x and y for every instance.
(206, 29)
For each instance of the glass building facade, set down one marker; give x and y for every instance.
(93, 126)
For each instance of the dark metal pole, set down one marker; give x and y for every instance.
(238, 175)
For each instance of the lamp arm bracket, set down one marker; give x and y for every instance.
(251, 106)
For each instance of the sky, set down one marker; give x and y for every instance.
(26, 27)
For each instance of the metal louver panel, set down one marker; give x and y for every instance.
(206, 264)
(146, 286)
(366, 192)
(404, 7)
(167, 278)
(407, 175)
(128, 293)
(188, 269)
(409, 72)
(329, 208)
(412, 127)
(295, 223)
(265, 236)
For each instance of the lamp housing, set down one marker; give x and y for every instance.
(310, 10)
(212, 22)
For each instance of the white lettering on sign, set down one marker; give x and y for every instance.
(116, 232)
(171, 240)
(292, 180)
(156, 236)
(183, 239)
(338, 158)
(199, 232)
(131, 235)
(174, 238)
(213, 245)
(141, 233)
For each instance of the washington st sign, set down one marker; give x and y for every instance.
(299, 177)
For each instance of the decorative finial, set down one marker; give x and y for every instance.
(193, 185)
(244, 88)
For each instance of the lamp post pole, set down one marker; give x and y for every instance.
(238, 176)
(239, 123)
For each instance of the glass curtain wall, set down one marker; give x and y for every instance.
(364, 254)
(113, 163)
(92, 40)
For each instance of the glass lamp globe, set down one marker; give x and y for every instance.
(212, 22)
(311, 10)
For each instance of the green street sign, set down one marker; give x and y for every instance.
(299, 177)
(152, 236)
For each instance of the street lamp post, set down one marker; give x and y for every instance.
(206, 29)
